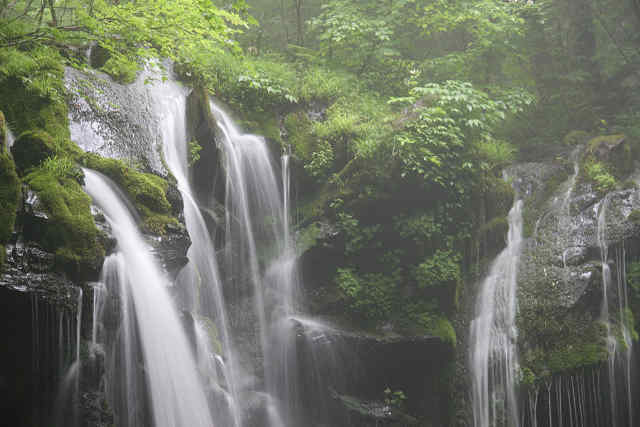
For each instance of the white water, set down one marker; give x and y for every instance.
(10, 138)
(258, 233)
(493, 357)
(200, 278)
(176, 393)
(614, 306)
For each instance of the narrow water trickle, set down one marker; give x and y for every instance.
(10, 138)
(177, 397)
(493, 353)
(614, 314)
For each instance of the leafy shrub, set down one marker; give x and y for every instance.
(599, 174)
(370, 296)
(441, 269)
(321, 161)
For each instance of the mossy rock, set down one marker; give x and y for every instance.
(575, 137)
(9, 196)
(2, 257)
(98, 56)
(601, 146)
(634, 216)
(69, 231)
(493, 235)
(299, 129)
(147, 192)
(27, 112)
(31, 149)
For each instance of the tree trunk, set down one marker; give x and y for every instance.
(299, 22)
(54, 19)
(283, 21)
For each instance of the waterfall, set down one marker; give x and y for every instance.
(614, 315)
(493, 353)
(10, 138)
(200, 278)
(260, 251)
(68, 396)
(177, 397)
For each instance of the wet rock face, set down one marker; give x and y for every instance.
(37, 320)
(345, 373)
(29, 268)
(563, 250)
(113, 120)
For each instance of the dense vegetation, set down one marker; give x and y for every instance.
(401, 116)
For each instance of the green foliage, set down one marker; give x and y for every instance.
(122, 69)
(63, 167)
(37, 70)
(321, 161)
(441, 269)
(357, 237)
(351, 37)
(394, 399)
(599, 175)
(424, 319)
(456, 119)
(194, 152)
(484, 39)
(370, 296)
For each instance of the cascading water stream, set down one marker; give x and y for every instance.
(258, 216)
(175, 391)
(10, 138)
(613, 313)
(493, 355)
(202, 272)
(69, 389)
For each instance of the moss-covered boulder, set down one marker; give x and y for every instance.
(148, 192)
(202, 128)
(9, 195)
(31, 149)
(575, 137)
(67, 228)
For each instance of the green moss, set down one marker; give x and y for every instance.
(419, 318)
(157, 223)
(604, 143)
(493, 234)
(634, 216)
(146, 191)
(266, 123)
(575, 137)
(9, 195)
(122, 70)
(70, 231)
(32, 92)
(575, 356)
(298, 127)
(31, 148)
(2, 257)
(499, 196)
(599, 175)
